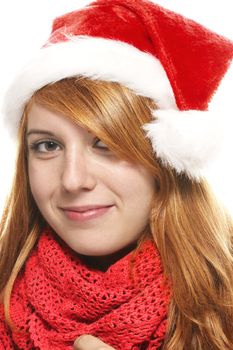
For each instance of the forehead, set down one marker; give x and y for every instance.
(39, 115)
(41, 120)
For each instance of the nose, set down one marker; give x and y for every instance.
(78, 172)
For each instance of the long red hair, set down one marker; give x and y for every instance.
(192, 232)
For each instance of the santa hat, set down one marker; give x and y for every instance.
(151, 50)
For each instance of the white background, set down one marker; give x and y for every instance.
(25, 26)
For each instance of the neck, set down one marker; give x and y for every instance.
(102, 263)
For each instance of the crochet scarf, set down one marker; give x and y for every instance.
(57, 298)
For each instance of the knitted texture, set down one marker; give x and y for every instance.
(58, 298)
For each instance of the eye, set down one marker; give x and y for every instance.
(44, 146)
(101, 145)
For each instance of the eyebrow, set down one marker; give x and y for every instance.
(40, 132)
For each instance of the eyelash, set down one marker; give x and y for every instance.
(35, 145)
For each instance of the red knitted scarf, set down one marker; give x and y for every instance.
(57, 298)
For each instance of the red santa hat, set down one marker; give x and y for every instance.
(151, 50)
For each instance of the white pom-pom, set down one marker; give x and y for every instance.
(186, 140)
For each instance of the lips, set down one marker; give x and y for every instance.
(84, 208)
(86, 212)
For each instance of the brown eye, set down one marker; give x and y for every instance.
(44, 147)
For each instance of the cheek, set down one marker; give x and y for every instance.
(41, 181)
(135, 186)
(136, 197)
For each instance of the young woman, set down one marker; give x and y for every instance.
(111, 238)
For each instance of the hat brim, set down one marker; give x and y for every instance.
(93, 57)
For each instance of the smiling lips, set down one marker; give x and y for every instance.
(85, 213)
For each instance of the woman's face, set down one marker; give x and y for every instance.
(96, 202)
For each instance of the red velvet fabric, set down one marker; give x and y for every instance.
(58, 298)
(194, 58)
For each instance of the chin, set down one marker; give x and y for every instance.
(95, 251)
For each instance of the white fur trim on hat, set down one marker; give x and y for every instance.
(96, 58)
(186, 140)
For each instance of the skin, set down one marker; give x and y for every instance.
(76, 171)
(88, 342)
